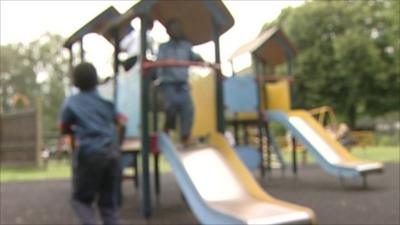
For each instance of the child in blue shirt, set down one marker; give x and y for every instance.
(96, 168)
(174, 81)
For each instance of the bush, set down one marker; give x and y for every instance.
(387, 139)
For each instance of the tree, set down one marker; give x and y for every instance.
(365, 83)
(348, 55)
(17, 75)
(21, 68)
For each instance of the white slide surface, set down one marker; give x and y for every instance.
(329, 153)
(216, 193)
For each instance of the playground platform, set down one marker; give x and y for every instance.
(47, 202)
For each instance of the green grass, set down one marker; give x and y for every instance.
(54, 170)
(57, 170)
(372, 153)
(61, 169)
(378, 153)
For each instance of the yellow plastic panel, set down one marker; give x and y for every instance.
(278, 96)
(203, 92)
(244, 116)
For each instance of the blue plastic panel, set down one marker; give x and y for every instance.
(241, 94)
(250, 156)
(128, 98)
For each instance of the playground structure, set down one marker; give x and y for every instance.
(228, 194)
(245, 194)
(325, 115)
(271, 48)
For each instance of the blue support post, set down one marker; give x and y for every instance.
(116, 37)
(145, 84)
(115, 34)
(82, 50)
(218, 80)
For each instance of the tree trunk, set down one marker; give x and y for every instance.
(352, 116)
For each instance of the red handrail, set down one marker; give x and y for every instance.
(178, 63)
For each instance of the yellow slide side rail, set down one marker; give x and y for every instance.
(251, 185)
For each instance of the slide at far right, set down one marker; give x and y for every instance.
(329, 153)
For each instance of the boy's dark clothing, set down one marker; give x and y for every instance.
(178, 101)
(96, 167)
(97, 175)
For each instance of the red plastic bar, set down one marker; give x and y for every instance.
(176, 63)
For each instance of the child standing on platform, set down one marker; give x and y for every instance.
(174, 81)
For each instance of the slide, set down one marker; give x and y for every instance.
(220, 190)
(330, 154)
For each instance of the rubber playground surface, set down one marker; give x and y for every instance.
(47, 202)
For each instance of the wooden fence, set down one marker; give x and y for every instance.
(21, 137)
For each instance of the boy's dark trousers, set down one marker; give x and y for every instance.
(97, 177)
(177, 100)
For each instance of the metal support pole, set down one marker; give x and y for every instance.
(236, 131)
(115, 35)
(364, 181)
(294, 144)
(267, 123)
(259, 67)
(155, 108)
(261, 142)
(136, 166)
(145, 83)
(116, 63)
(82, 50)
(71, 65)
(218, 80)
(294, 156)
(263, 107)
(71, 84)
(155, 130)
(157, 173)
(246, 134)
(268, 152)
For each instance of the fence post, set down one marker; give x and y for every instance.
(39, 128)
